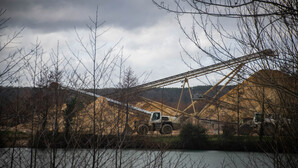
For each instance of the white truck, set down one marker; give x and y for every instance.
(157, 122)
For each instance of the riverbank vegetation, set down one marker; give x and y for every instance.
(181, 142)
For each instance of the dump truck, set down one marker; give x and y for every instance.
(157, 122)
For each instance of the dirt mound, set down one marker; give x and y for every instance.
(151, 105)
(268, 90)
(108, 119)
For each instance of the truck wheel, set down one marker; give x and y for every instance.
(166, 129)
(160, 131)
(244, 129)
(143, 129)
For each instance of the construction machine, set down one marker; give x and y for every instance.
(157, 122)
(271, 124)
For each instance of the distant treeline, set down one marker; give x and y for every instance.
(170, 96)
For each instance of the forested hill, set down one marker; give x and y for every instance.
(170, 96)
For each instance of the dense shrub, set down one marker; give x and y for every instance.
(193, 136)
(228, 130)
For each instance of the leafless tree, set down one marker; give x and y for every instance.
(259, 25)
(103, 64)
(13, 62)
(129, 81)
(12, 56)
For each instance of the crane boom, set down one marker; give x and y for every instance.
(203, 71)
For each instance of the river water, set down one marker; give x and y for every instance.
(21, 157)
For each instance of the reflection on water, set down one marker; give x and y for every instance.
(24, 157)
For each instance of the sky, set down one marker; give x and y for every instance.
(149, 36)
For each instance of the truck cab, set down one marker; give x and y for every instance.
(155, 122)
(155, 117)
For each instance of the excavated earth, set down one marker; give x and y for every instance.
(267, 90)
(270, 91)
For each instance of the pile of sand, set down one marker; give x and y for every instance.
(273, 90)
(108, 119)
(151, 105)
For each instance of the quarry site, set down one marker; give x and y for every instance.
(237, 111)
(152, 84)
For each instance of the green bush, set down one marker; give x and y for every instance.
(193, 136)
(228, 130)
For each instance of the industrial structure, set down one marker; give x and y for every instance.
(165, 124)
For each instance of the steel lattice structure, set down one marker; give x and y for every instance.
(204, 71)
(186, 75)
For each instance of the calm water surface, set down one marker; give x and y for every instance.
(21, 157)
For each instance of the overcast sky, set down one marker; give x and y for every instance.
(150, 36)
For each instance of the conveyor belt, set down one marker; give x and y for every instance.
(114, 102)
(202, 71)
